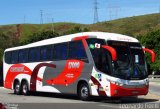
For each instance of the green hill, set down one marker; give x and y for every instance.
(130, 26)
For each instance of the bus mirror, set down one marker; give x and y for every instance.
(112, 51)
(153, 55)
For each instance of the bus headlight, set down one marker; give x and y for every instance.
(117, 83)
(146, 82)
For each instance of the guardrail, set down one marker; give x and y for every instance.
(154, 76)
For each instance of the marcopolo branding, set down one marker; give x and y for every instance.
(16, 69)
(73, 65)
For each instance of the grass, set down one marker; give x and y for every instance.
(130, 26)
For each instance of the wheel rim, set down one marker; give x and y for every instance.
(17, 87)
(24, 89)
(84, 91)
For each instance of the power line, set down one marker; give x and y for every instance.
(96, 18)
(24, 19)
(41, 14)
(113, 11)
(48, 17)
(53, 25)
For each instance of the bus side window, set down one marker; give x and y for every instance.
(60, 51)
(14, 57)
(106, 62)
(23, 56)
(46, 53)
(8, 57)
(34, 54)
(77, 50)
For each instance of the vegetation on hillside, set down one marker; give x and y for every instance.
(152, 40)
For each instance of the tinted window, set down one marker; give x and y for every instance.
(137, 53)
(14, 58)
(8, 57)
(93, 42)
(103, 61)
(34, 54)
(61, 51)
(123, 52)
(23, 56)
(77, 50)
(101, 56)
(46, 53)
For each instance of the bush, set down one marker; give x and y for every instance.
(39, 36)
(152, 41)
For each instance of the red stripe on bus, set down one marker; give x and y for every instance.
(14, 71)
(83, 38)
(80, 38)
(70, 74)
(35, 73)
(39, 79)
(96, 82)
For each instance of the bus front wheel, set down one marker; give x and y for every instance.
(83, 92)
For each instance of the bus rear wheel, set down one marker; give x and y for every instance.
(83, 92)
(25, 89)
(17, 88)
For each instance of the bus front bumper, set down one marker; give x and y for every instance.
(121, 91)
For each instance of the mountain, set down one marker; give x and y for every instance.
(132, 26)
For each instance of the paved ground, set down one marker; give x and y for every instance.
(54, 101)
(155, 88)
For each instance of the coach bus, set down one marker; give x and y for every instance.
(87, 64)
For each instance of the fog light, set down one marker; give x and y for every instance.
(92, 84)
(120, 84)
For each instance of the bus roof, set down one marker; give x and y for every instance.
(66, 38)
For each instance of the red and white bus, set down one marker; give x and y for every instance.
(86, 64)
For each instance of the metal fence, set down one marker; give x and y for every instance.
(154, 76)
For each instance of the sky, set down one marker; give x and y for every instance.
(76, 11)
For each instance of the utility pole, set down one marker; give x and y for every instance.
(41, 14)
(113, 12)
(24, 19)
(53, 25)
(96, 18)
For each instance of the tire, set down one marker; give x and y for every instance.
(84, 92)
(17, 88)
(24, 88)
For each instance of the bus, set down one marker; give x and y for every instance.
(87, 64)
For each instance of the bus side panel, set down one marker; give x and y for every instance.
(66, 75)
(16, 71)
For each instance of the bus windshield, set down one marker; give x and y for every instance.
(130, 63)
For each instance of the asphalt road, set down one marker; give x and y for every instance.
(155, 88)
(54, 101)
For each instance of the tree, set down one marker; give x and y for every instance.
(152, 40)
(39, 36)
(76, 29)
